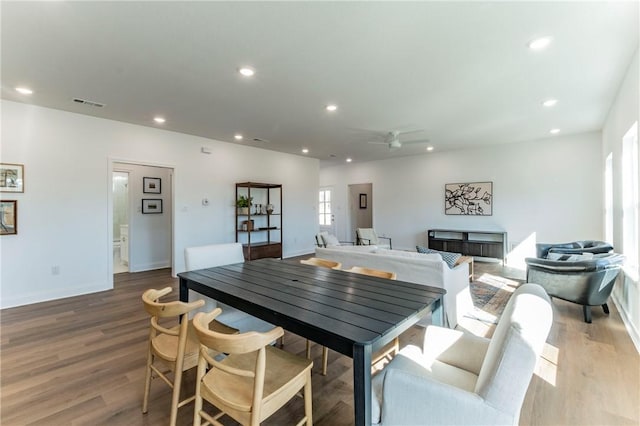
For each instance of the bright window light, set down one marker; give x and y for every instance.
(630, 198)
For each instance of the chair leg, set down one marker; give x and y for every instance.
(308, 397)
(605, 308)
(147, 383)
(325, 360)
(587, 313)
(175, 396)
(308, 349)
(201, 371)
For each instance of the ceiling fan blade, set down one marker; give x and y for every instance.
(407, 132)
(416, 142)
(378, 142)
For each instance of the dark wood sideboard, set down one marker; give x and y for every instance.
(470, 243)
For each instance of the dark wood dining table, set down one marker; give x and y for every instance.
(349, 313)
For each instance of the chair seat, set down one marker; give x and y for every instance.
(281, 368)
(166, 346)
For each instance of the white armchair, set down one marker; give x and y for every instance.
(369, 237)
(463, 379)
(217, 255)
(325, 239)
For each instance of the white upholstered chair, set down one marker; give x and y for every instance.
(463, 379)
(369, 237)
(325, 239)
(213, 255)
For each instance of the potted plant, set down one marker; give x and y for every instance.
(243, 203)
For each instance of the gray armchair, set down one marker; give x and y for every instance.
(584, 280)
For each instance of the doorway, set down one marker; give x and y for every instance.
(327, 217)
(360, 206)
(120, 244)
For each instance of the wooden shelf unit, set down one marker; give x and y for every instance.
(263, 238)
(469, 243)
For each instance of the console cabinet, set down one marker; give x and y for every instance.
(259, 228)
(469, 243)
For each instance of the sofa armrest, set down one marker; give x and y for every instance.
(412, 399)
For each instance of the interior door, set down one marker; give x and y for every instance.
(326, 216)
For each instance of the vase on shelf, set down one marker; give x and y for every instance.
(269, 208)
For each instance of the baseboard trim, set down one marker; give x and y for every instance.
(59, 293)
(631, 330)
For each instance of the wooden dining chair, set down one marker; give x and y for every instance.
(372, 272)
(324, 263)
(253, 381)
(175, 347)
(316, 261)
(393, 347)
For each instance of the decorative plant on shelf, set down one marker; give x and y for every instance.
(243, 203)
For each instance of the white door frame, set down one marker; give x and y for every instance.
(331, 229)
(110, 169)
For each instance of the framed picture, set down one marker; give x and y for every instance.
(8, 217)
(151, 185)
(468, 199)
(151, 206)
(363, 201)
(11, 177)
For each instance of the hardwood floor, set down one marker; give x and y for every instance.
(80, 361)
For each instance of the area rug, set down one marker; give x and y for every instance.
(490, 293)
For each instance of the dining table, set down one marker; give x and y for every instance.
(352, 314)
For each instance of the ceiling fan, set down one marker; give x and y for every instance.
(392, 139)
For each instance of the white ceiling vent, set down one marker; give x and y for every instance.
(88, 103)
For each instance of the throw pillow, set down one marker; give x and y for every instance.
(569, 257)
(449, 258)
(330, 240)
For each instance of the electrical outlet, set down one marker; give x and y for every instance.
(55, 270)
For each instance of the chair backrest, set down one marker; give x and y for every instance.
(212, 255)
(514, 349)
(367, 236)
(372, 272)
(316, 261)
(320, 238)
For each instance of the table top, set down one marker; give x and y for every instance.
(333, 308)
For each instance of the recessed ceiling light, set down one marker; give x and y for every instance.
(429, 148)
(159, 120)
(24, 90)
(246, 71)
(237, 137)
(305, 151)
(539, 43)
(550, 102)
(554, 131)
(331, 107)
(349, 160)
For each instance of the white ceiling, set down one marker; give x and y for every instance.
(460, 71)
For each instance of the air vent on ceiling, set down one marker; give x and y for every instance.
(259, 140)
(89, 103)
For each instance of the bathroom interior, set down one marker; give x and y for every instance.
(120, 222)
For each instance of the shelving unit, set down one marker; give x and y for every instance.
(260, 232)
(470, 243)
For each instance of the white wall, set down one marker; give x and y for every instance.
(551, 187)
(64, 217)
(623, 113)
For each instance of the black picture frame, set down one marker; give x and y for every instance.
(151, 185)
(363, 201)
(8, 217)
(151, 206)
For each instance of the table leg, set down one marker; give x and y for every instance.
(362, 384)
(437, 314)
(184, 290)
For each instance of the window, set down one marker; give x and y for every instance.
(630, 198)
(608, 199)
(324, 207)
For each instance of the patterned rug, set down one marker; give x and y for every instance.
(490, 294)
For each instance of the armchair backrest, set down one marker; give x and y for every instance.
(320, 238)
(212, 255)
(514, 349)
(367, 236)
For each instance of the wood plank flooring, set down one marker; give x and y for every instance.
(80, 361)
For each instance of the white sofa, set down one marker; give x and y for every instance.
(427, 269)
